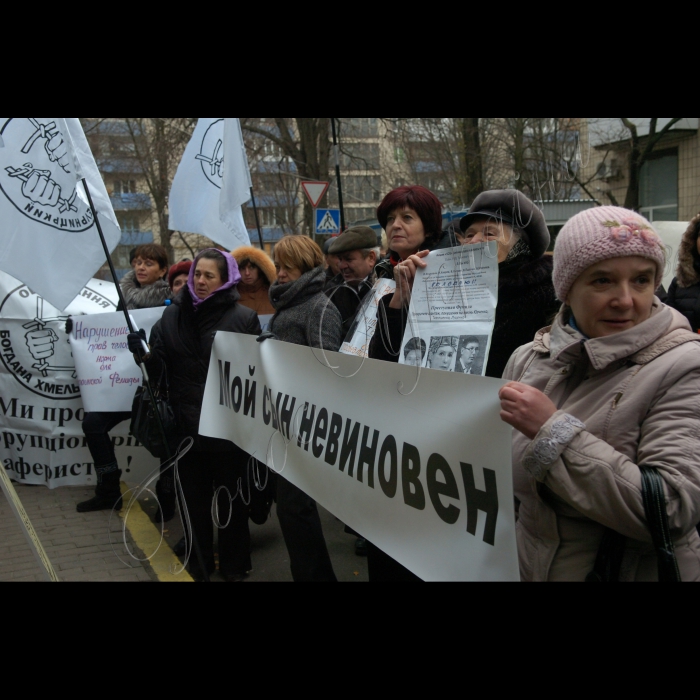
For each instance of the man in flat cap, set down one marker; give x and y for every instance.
(357, 250)
(331, 260)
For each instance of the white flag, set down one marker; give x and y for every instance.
(49, 238)
(195, 197)
(237, 183)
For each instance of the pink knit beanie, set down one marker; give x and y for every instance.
(600, 234)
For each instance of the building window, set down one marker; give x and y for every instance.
(354, 127)
(658, 188)
(125, 187)
(128, 223)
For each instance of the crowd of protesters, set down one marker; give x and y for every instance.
(603, 378)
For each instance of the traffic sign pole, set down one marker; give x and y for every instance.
(337, 175)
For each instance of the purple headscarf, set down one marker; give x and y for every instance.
(234, 277)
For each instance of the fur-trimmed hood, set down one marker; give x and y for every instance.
(688, 272)
(259, 258)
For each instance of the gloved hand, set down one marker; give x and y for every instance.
(69, 325)
(267, 335)
(135, 342)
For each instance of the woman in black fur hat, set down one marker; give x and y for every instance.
(526, 299)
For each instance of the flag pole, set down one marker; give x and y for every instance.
(337, 176)
(257, 220)
(142, 365)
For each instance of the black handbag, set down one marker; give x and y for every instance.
(612, 547)
(144, 424)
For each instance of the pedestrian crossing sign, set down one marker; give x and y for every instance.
(327, 221)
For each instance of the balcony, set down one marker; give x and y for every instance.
(132, 239)
(131, 202)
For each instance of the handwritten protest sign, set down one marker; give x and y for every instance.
(41, 411)
(453, 311)
(107, 374)
(425, 475)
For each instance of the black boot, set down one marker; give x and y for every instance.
(108, 495)
(165, 490)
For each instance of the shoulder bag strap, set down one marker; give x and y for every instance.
(657, 520)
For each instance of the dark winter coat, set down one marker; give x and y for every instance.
(347, 299)
(183, 340)
(305, 315)
(526, 304)
(148, 297)
(684, 292)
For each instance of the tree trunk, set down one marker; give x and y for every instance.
(473, 180)
(314, 157)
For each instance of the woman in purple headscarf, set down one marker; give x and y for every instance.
(182, 342)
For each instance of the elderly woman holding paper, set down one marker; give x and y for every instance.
(606, 402)
(181, 344)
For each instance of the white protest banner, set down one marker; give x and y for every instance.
(236, 180)
(195, 196)
(671, 233)
(41, 412)
(107, 374)
(365, 324)
(49, 238)
(424, 474)
(453, 311)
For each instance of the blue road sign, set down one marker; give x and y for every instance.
(327, 221)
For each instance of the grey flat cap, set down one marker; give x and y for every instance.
(358, 238)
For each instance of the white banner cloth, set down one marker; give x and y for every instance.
(195, 196)
(49, 238)
(425, 474)
(236, 181)
(41, 412)
(365, 324)
(107, 374)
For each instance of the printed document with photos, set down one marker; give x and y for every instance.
(453, 311)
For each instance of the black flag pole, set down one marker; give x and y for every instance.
(142, 365)
(257, 220)
(336, 149)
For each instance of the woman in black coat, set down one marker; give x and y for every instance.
(684, 292)
(182, 342)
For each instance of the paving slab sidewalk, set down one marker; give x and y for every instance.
(90, 547)
(80, 546)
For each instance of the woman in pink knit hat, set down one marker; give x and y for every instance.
(612, 388)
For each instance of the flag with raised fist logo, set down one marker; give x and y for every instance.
(204, 198)
(49, 238)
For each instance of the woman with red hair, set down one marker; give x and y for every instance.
(412, 219)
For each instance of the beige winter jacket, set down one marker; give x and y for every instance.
(629, 399)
